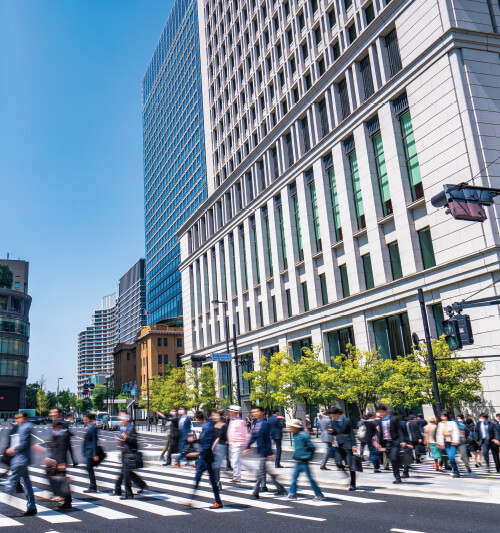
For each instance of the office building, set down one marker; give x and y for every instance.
(125, 367)
(15, 305)
(131, 303)
(96, 344)
(329, 127)
(174, 154)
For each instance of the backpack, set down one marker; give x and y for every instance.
(362, 432)
(306, 452)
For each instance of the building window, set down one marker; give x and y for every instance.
(369, 14)
(356, 190)
(344, 280)
(338, 341)
(351, 30)
(305, 134)
(314, 207)
(268, 243)
(244, 250)
(426, 248)
(269, 352)
(282, 235)
(417, 189)
(344, 99)
(397, 271)
(383, 180)
(347, 4)
(288, 302)
(160, 359)
(323, 114)
(366, 76)
(367, 268)
(261, 315)
(255, 249)
(324, 289)
(289, 148)
(159, 341)
(179, 342)
(165, 341)
(249, 318)
(392, 336)
(275, 312)
(335, 205)
(298, 232)
(305, 296)
(438, 315)
(128, 356)
(225, 378)
(297, 347)
(391, 43)
(179, 360)
(246, 365)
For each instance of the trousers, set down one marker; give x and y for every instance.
(392, 452)
(277, 443)
(235, 452)
(261, 477)
(299, 468)
(328, 453)
(20, 472)
(90, 471)
(203, 464)
(219, 456)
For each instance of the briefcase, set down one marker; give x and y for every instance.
(101, 454)
(405, 456)
(59, 485)
(139, 461)
(356, 464)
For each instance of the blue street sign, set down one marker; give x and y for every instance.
(221, 357)
(133, 392)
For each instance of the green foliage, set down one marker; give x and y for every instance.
(201, 388)
(166, 392)
(65, 399)
(261, 392)
(99, 397)
(42, 404)
(31, 390)
(6, 277)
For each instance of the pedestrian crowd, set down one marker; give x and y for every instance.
(392, 442)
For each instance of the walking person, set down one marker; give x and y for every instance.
(317, 420)
(430, 441)
(206, 459)
(326, 426)
(184, 431)
(175, 436)
(367, 434)
(89, 448)
(276, 427)
(20, 451)
(129, 447)
(308, 424)
(346, 443)
(261, 436)
(220, 445)
(462, 444)
(391, 437)
(415, 436)
(447, 438)
(237, 437)
(303, 453)
(484, 433)
(167, 425)
(495, 442)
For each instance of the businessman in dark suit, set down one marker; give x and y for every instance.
(485, 431)
(343, 430)
(276, 428)
(89, 449)
(391, 435)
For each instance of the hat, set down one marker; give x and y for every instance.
(235, 408)
(295, 423)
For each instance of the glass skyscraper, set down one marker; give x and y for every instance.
(174, 154)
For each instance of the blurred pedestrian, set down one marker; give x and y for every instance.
(485, 435)
(220, 445)
(276, 427)
(308, 424)
(261, 436)
(206, 459)
(346, 444)
(317, 419)
(430, 441)
(237, 436)
(89, 448)
(129, 448)
(20, 451)
(326, 426)
(415, 436)
(55, 414)
(462, 443)
(302, 455)
(448, 437)
(184, 431)
(368, 436)
(175, 436)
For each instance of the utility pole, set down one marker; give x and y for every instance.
(237, 365)
(58, 391)
(147, 386)
(430, 354)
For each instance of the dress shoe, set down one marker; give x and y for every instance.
(142, 489)
(323, 468)
(216, 506)
(352, 487)
(177, 464)
(127, 497)
(397, 481)
(280, 493)
(377, 471)
(115, 493)
(75, 465)
(256, 496)
(264, 489)
(405, 475)
(65, 506)
(89, 491)
(31, 512)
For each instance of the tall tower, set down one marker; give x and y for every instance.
(174, 154)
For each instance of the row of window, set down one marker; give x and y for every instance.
(163, 341)
(13, 367)
(14, 346)
(13, 325)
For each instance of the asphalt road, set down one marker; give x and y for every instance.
(163, 506)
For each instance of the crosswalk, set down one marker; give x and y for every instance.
(167, 496)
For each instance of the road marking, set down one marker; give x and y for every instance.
(405, 530)
(5, 521)
(43, 512)
(89, 507)
(314, 518)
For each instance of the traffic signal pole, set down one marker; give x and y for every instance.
(430, 354)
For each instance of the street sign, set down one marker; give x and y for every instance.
(221, 357)
(133, 392)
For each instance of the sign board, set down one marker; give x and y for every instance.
(133, 392)
(221, 357)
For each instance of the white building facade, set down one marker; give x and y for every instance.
(329, 125)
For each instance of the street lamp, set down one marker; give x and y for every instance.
(226, 332)
(58, 391)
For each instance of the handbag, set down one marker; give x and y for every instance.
(405, 456)
(101, 454)
(420, 449)
(356, 464)
(139, 461)
(59, 485)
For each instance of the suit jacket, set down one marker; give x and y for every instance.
(396, 429)
(344, 433)
(184, 426)
(325, 424)
(414, 432)
(371, 431)
(130, 446)
(276, 427)
(495, 431)
(58, 445)
(489, 433)
(261, 435)
(22, 455)
(89, 446)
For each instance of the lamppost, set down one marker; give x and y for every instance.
(58, 391)
(226, 332)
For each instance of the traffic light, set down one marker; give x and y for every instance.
(452, 334)
(465, 202)
(464, 329)
(197, 360)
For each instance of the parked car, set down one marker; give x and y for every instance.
(99, 420)
(196, 428)
(37, 420)
(113, 423)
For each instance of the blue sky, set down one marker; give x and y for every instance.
(71, 171)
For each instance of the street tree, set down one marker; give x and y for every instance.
(261, 392)
(99, 397)
(201, 388)
(31, 390)
(65, 399)
(42, 404)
